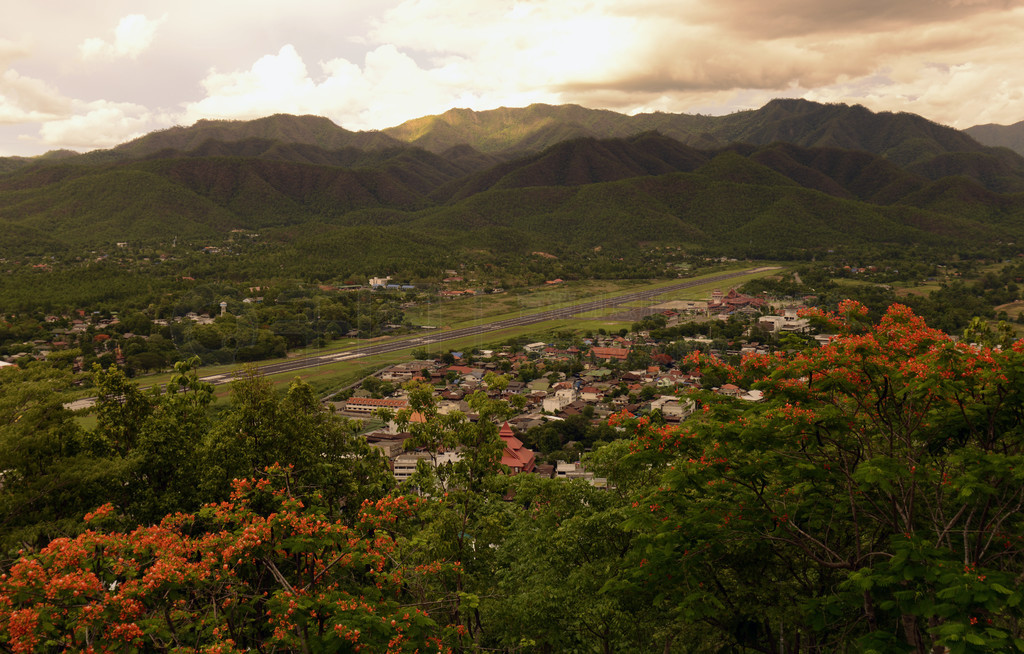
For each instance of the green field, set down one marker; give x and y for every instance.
(703, 291)
(469, 311)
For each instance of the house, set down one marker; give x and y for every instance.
(569, 470)
(610, 353)
(392, 445)
(789, 321)
(517, 457)
(405, 464)
(672, 408)
(731, 390)
(368, 405)
(561, 398)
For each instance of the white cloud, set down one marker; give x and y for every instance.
(100, 124)
(24, 99)
(11, 50)
(375, 63)
(132, 36)
(389, 88)
(690, 55)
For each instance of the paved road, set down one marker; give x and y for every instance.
(294, 365)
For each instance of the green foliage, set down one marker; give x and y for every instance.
(874, 494)
(51, 472)
(261, 430)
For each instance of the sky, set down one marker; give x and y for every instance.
(83, 76)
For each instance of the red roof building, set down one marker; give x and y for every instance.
(611, 353)
(516, 456)
(370, 404)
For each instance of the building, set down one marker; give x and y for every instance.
(789, 321)
(570, 470)
(517, 457)
(672, 408)
(367, 405)
(562, 398)
(610, 353)
(405, 464)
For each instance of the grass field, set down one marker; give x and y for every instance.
(1013, 309)
(469, 311)
(703, 291)
(919, 290)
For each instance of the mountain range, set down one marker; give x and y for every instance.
(793, 175)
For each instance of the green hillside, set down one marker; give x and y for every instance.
(1000, 136)
(901, 138)
(306, 185)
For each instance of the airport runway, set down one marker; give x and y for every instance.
(294, 365)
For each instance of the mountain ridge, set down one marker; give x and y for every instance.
(292, 176)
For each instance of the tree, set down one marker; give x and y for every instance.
(564, 542)
(163, 473)
(874, 497)
(461, 525)
(51, 471)
(121, 409)
(261, 430)
(262, 570)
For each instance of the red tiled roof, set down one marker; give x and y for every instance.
(610, 353)
(517, 457)
(373, 401)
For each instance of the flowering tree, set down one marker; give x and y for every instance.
(874, 497)
(260, 572)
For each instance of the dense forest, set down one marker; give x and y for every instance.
(871, 502)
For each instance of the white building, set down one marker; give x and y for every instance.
(789, 321)
(405, 464)
(562, 398)
(672, 408)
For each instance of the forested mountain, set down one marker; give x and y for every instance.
(904, 138)
(1006, 136)
(791, 175)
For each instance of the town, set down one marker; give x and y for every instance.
(565, 391)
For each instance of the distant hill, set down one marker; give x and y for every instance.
(903, 138)
(282, 128)
(791, 176)
(581, 193)
(1005, 136)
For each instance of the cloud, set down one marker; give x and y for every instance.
(132, 36)
(100, 124)
(796, 18)
(388, 88)
(24, 99)
(12, 50)
(682, 54)
(376, 63)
